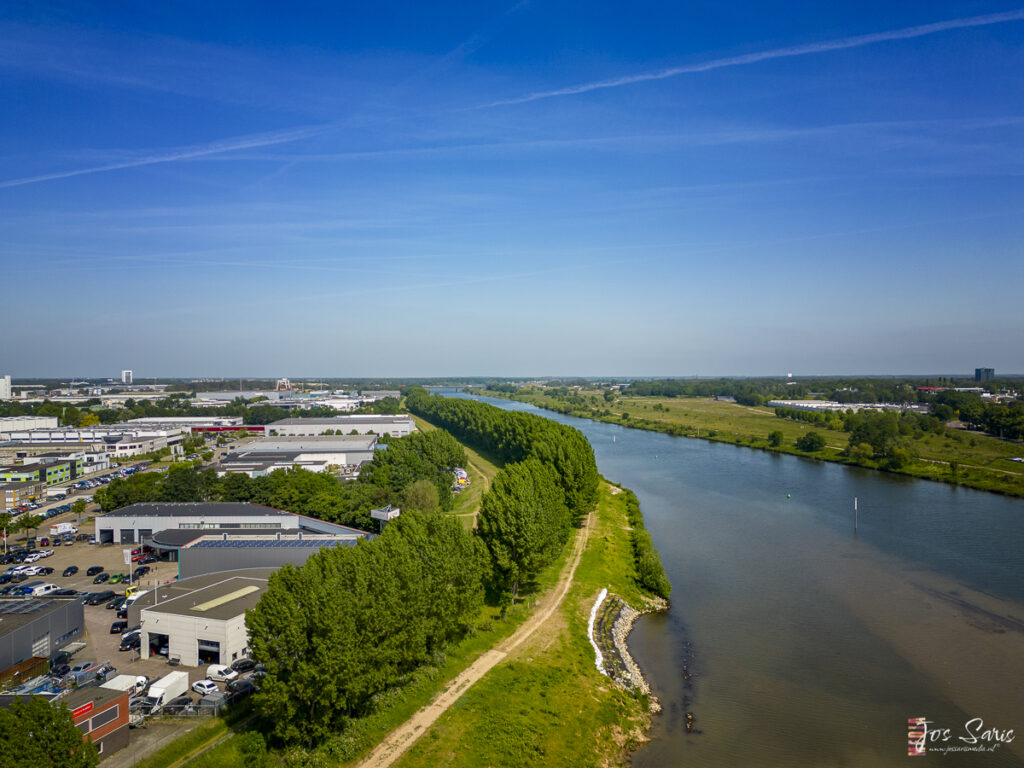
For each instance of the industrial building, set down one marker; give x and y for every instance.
(137, 523)
(19, 494)
(92, 456)
(37, 628)
(51, 470)
(118, 440)
(342, 453)
(5, 388)
(101, 714)
(192, 423)
(210, 551)
(200, 620)
(398, 425)
(10, 424)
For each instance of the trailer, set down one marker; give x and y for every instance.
(134, 684)
(62, 528)
(163, 690)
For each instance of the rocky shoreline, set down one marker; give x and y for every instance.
(614, 622)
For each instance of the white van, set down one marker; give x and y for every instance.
(44, 589)
(220, 672)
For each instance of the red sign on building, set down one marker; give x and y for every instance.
(84, 709)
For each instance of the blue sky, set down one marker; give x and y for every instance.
(500, 188)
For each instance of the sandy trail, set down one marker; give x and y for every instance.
(399, 740)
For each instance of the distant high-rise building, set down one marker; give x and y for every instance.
(984, 374)
(126, 377)
(5, 387)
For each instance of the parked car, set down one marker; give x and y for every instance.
(94, 569)
(241, 688)
(44, 542)
(129, 642)
(122, 612)
(204, 687)
(82, 666)
(82, 537)
(71, 570)
(101, 577)
(45, 570)
(118, 627)
(148, 559)
(221, 673)
(243, 665)
(116, 603)
(66, 593)
(116, 578)
(141, 571)
(100, 597)
(182, 705)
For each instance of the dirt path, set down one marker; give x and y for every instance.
(399, 740)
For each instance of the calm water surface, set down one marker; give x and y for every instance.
(809, 644)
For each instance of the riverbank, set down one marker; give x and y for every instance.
(971, 461)
(547, 704)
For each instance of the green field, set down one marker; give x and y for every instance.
(547, 704)
(983, 462)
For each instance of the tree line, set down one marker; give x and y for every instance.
(417, 467)
(354, 622)
(650, 572)
(513, 437)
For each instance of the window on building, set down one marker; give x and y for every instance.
(106, 716)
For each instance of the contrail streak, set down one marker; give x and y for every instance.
(775, 53)
(180, 153)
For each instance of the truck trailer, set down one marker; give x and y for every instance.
(163, 690)
(134, 684)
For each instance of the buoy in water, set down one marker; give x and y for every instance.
(788, 496)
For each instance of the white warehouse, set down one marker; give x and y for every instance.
(201, 620)
(398, 425)
(137, 523)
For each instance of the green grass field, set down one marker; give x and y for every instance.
(983, 462)
(547, 704)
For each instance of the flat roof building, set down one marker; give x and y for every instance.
(201, 620)
(138, 523)
(398, 425)
(10, 424)
(37, 628)
(117, 439)
(344, 454)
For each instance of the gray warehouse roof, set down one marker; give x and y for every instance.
(339, 420)
(310, 444)
(17, 613)
(216, 596)
(200, 509)
(179, 537)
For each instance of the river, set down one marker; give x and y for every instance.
(810, 644)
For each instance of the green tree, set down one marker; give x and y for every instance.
(35, 733)
(523, 522)
(811, 442)
(30, 523)
(775, 438)
(422, 496)
(78, 509)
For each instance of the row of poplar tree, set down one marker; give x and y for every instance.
(355, 622)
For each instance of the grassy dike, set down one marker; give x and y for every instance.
(547, 704)
(969, 460)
